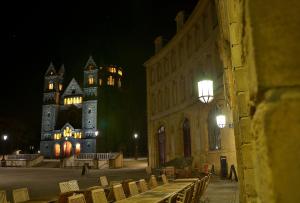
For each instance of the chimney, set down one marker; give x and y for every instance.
(180, 20)
(158, 43)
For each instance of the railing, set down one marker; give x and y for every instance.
(23, 156)
(99, 156)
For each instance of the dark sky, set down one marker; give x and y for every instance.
(113, 32)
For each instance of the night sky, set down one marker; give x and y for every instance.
(68, 32)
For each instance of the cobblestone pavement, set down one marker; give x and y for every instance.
(221, 191)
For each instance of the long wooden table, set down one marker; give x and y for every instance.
(157, 194)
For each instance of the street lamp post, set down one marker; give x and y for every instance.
(3, 162)
(135, 136)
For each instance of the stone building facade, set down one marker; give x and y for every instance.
(71, 117)
(179, 125)
(258, 48)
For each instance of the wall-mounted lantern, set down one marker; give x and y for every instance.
(205, 91)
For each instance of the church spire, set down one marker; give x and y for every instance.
(61, 70)
(90, 64)
(51, 70)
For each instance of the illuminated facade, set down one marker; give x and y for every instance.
(70, 116)
(179, 125)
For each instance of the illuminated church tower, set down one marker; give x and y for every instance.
(71, 116)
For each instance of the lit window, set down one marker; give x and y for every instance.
(91, 80)
(73, 100)
(60, 87)
(67, 132)
(120, 72)
(77, 135)
(110, 80)
(57, 136)
(112, 69)
(50, 86)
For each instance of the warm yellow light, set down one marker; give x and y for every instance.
(73, 100)
(77, 135)
(91, 80)
(67, 132)
(57, 136)
(110, 80)
(100, 82)
(60, 87)
(221, 121)
(205, 91)
(77, 148)
(50, 86)
(120, 72)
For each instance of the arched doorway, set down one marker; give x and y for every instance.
(57, 150)
(187, 138)
(77, 148)
(161, 144)
(67, 149)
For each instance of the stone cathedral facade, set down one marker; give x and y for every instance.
(71, 115)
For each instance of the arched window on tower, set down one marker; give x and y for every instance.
(91, 80)
(50, 85)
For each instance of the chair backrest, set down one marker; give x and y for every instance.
(153, 181)
(98, 196)
(73, 184)
(76, 199)
(172, 198)
(3, 196)
(133, 189)
(190, 195)
(103, 181)
(20, 195)
(186, 196)
(143, 185)
(196, 192)
(118, 192)
(64, 187)
(164, 179)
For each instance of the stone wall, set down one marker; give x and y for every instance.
(259, 44)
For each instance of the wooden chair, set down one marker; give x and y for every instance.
(76, 199)
(3, 197)
(103, 181)
(185, 197)
(64, 187)
(143, 185)
(98, 196)
(20, 195)
(118, 192)
(164, 179)
(133, 189)
(172, 198)
(153, 182)
(196, 192)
